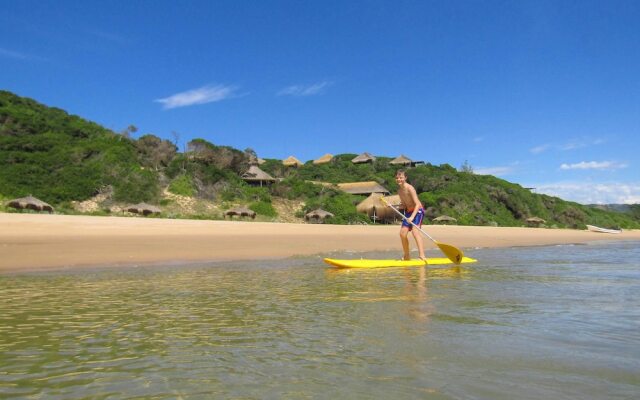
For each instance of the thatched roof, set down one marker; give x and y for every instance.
(144, 209)
(401, 160)
(362, 187)
(363, 158)
(444, 218)
(255, 174)
(536, 220)
(30, 203)
(291, 161)
(375, 208)
(318, 215)
(324, 159)
(241, 212)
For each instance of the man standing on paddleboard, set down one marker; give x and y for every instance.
(413, 211)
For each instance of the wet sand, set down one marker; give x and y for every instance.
(30, 242)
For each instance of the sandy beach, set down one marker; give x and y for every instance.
(30, 242)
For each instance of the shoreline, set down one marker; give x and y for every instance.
(38, 242)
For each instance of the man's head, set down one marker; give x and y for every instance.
(401, 177)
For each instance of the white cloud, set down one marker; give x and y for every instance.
(12, 54)
(607, 165)
(580, 143)
(305, 90)
(592, 193)
(572, 145)
(539, 149)
(496, 171)
(203, 95)
(6, 53)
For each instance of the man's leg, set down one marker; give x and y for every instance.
(404, 231)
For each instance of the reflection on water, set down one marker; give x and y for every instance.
(552, 322)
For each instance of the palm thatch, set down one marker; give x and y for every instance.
(401, 160)
(256, 175)
(240, 212)
(30, 203)
(377, 210)
(324, 159)
(444, 219)
(318, 216)
(144, 209)
(363, 158)
(362, 187)
(291, 161)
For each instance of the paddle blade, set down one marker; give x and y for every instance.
(453, 253)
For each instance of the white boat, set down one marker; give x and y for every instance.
(593, 228)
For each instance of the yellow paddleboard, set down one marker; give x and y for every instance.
(392, 263)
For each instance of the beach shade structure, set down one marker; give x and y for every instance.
(535, 221)
(363, 158)
(318, 216)
(144, 209)
(291, 161)
(255, 175)
(363, 187)
(444, 219)
(327, 158)
(377, 210)
(401, 160)
(240, 212)
(30, 203)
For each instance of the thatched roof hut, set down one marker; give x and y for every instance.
(444, 219)
(535, 221)
(318, 216)
(257, 176)
(291, 161)
(240, 212)
(362, 187)
(144, 209)
(324, 159)
(363, 158)
(377, 210)
(401, 160)
(30, 203)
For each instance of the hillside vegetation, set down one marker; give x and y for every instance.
(64, 159)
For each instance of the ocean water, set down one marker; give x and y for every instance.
(556, 322)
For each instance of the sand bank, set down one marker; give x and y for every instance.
(42, 242)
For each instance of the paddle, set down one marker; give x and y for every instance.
(453, 253)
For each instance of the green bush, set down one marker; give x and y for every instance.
(264, 208)
(182, 185)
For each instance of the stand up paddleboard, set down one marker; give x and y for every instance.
(392, 263)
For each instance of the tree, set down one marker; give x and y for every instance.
(466, 167)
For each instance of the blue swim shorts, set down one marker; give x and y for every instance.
(417, 220)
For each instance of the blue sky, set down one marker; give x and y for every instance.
(545, 94)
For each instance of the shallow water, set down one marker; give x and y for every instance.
(559, 322)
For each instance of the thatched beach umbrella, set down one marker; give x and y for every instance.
(376, 209)
(30, 203)
(318, 216)
(144, 209)
(241, 212)
(535, 221)
(445, 219)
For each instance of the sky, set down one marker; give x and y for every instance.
(545, 94)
